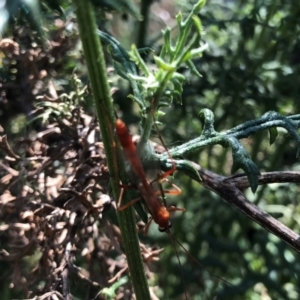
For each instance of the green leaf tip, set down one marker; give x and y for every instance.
(189, 169)
(184, 166)
(273, 134)
(243, 160)
(198, 6)
(283, 121)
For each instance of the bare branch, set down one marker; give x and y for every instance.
(241, 181)
(230, 189)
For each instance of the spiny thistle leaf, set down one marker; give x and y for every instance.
(241, 158)
(269, 120)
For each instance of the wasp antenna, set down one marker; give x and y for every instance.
(199, 264)
(173, 240)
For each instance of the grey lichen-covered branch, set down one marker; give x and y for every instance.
(231, 188)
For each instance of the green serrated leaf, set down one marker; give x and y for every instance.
(273, 134)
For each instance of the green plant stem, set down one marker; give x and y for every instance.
(101, 92)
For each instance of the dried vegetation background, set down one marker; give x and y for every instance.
(59, 236)
(54, 182)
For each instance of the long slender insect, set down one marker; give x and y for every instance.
(159, 211)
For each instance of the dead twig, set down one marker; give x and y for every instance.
(6, 148)
(230, 189)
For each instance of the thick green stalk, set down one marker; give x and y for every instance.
(101, 92)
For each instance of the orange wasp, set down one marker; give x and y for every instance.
(158, 210)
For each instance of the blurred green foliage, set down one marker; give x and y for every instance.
(252, 66)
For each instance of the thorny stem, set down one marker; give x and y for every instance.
(101, 92)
